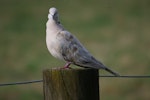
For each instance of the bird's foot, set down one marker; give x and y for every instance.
(67, 65)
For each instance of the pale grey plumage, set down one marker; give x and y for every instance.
(63, 45)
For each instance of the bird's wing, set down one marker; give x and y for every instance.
(73, 51)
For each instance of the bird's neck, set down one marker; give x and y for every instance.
(51, 25)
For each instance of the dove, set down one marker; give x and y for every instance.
(65, 46)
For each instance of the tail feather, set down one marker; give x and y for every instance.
(112, 72)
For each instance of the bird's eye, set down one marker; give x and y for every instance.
(55, 14)
(58, 22)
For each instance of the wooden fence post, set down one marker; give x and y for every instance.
(71, 84)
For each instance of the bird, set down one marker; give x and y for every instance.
(65, 46)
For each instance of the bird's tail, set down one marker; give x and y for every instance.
(112, 72)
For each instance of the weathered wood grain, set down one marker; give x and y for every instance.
(71, 84)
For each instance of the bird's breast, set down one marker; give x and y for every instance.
(54, 46)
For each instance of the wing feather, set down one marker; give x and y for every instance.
(73, 51)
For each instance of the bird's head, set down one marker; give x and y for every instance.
(53, 14)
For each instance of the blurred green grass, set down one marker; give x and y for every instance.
(116, 32)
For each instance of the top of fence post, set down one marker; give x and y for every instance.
(71, 84)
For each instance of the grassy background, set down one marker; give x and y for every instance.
(116, 32)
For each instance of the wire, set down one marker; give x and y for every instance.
(21, 83)
(126, 76)
(103, 76)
